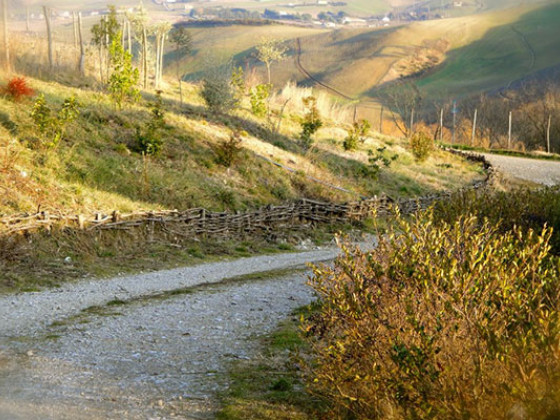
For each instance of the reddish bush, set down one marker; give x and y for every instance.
(17, 89)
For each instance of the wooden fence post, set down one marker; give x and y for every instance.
(509, 130)
(473, 136)
(548, 133)
(441, 125)
(47, 13)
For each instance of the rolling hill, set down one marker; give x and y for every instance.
(446, 58)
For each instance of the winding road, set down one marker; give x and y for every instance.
(156, 345)
(539, 171)
(121, 349)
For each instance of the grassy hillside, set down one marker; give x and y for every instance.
(96, 166)
(448, 57)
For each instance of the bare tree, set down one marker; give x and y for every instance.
(403, 98)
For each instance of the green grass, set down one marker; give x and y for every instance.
(499, 57)
(269, 386)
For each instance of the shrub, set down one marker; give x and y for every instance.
(124, 77)
(258, 97)
(52, 126)
(440, 321)
(311, 122)
(522, 207)
(376, 160)
(18, 89)
(227, 152)
(149, 140)
(422, 145)
(356, 134)
(218, 92)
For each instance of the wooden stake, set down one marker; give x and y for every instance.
(441, 125)
(474, 127)
(6, 35)
(75, 27)
(47, 13)
(381, 120)
(509, 131)
(412, 122)
(82, 62)
(548, 133)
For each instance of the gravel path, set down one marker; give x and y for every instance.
(152, 357)
(540, 171)
(27, 313)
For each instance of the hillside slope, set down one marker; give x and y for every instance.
(97, 167)
(448, 58)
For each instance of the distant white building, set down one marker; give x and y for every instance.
(386, 19)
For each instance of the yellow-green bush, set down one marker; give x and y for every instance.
(440, 321)
(422, 145)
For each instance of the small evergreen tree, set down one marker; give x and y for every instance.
(218, 91)
(150, 140)
(356, 134)
(311, 122)
(258, 97)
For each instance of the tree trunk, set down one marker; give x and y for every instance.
(82, 62)
(129, 36)
(8, 64)
(158, 45)
(47, 13)
(145, 55)
(181, 90)
(27, 23)
(161, 58)
(75, 26)
(381, 119)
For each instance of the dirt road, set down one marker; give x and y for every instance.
(136, 354)
(540, 171)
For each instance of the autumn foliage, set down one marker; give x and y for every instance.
(442, 321)
(18, 89)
